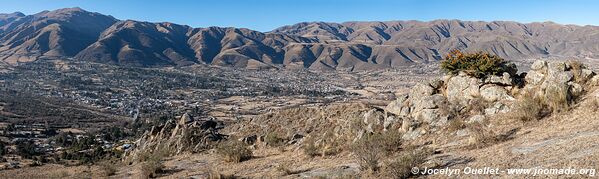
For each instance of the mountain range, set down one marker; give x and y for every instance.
(88, 36)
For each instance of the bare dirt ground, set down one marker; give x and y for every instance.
(54, 171)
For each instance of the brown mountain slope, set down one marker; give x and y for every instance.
(7, 18)
(313, 45)
(141, 44)
(60, 33)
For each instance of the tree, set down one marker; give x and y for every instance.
(478, 64)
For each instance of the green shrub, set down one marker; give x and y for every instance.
(26, 149)
(234, 151)
(478, 64)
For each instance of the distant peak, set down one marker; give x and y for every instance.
(14, 14)
(73, 9)
(69, 10)
(19, 14)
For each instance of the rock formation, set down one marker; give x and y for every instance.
(176, 137)
(437, 101)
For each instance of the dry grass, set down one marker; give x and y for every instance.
(477, 106)
(528, 107)
(286, 169)
(61, 174)
(234, 151)
(456, 124)
(213, 174)
(328, 144)
(401, 166)
(557, 98)
(372, 148)
(592, 103)
(482, 136)
(273, 139)
(151, 168)
(310, 148)
(152, 162)
(108, 168)
(576, 68)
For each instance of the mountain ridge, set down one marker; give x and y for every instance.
(352, 45)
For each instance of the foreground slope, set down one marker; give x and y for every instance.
(488, 132)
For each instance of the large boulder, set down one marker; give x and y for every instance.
(399, 106)
(373, 119)
(462, 88)
(492, 93)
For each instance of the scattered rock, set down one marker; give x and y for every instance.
(477, 119)
(462, 132)
(250, 140)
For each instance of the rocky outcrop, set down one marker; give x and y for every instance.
(175, 137)
(436, 102)
(568, 78)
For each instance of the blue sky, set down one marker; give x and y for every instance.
(265, 15)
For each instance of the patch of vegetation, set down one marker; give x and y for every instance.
(576, 68)
(273, 139)
(372, 148)
(152, 161)
(27, 149)
(327, 145)
(528, 107)
(482, 137)
(85, 148)
(108, 168)
(456, 125)
(310, 148)
(285, 168)
(113, 133)
(477, 106)
(478, 64)
(3, 150)
(234, 151)
(557, 98)
(402, 165)
(217, 175)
